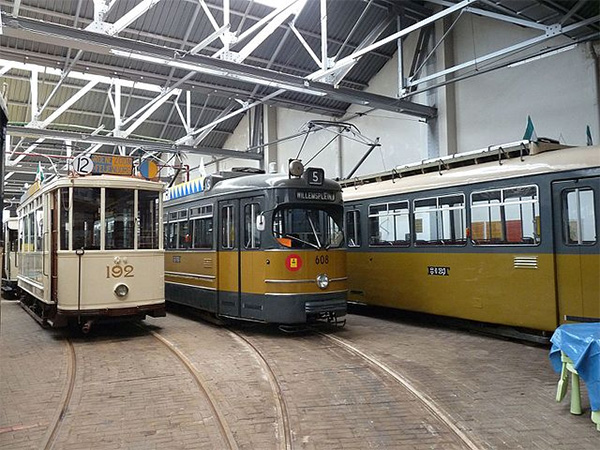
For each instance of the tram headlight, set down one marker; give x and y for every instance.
(296, 168)
(121, 290)
(323, 281)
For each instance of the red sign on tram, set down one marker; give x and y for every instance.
(293, 262)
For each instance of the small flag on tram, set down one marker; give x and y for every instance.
(588, 134)
(39, 175)
(530, 134)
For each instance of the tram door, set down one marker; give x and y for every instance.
(576, 223)
(54, 247)
(228, 259)
(252, 265)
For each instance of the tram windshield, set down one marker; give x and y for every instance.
(123, 224)
(308, 228)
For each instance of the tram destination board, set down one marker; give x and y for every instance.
(315, 195)
(112, 164)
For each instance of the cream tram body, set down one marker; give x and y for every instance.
(92, 247)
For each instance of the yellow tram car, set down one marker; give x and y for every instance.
(507, 236)
(259, 247)
(91, 248)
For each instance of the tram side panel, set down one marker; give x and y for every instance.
(101, 274)
(280, 285)
(485, 287)
(503, 284)
(190, 278)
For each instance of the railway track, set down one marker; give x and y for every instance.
(224, 429)
(58, 419)
(285, 440)
(406, 384)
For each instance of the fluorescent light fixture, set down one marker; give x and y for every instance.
(215, 72)
(545, 55)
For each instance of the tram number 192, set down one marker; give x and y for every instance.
(322, 259)
(118, 271)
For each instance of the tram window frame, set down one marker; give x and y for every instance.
(78, 234)
(500, 206)
(575, 236)
(184, 236)
(443, 210)
(171, 235)
(64, 227)
(396, 215)
(202, 233)
(353, 228)
(148, 218)
(122, 212)
(252, 237)
(38, 217)
(202, 227)
(227, 227)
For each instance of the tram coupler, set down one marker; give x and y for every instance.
(87, 326)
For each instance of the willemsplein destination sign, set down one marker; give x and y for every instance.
(319, 196)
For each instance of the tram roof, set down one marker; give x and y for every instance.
(561, 160)
(100, 181)
(255, 182)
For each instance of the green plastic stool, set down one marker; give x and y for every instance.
(568, 367)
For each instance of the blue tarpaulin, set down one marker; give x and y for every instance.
(581, 343)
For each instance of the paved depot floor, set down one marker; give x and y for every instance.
(131, 393)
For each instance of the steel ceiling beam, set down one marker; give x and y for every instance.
(24, 28)
(167, 147)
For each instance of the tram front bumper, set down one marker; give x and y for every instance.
(286, 309)
(337, 307)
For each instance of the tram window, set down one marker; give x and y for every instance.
(440, 220)
(505, 216)
(227, 227)
(64, 219)
(308, 228)
(171, 235)
(12, 240)
(203, 233)
(86, 218)
(119, 219)
(251, 234)
(183, 232)
(353, 228)
(39, 229)
(389, 224)
(148, 228)
(579, 217)
(30, 232)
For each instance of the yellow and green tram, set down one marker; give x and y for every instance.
(259, 247)
(508, 236)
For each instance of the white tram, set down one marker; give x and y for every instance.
(91, 248)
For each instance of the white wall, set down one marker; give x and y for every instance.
(559, 93)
